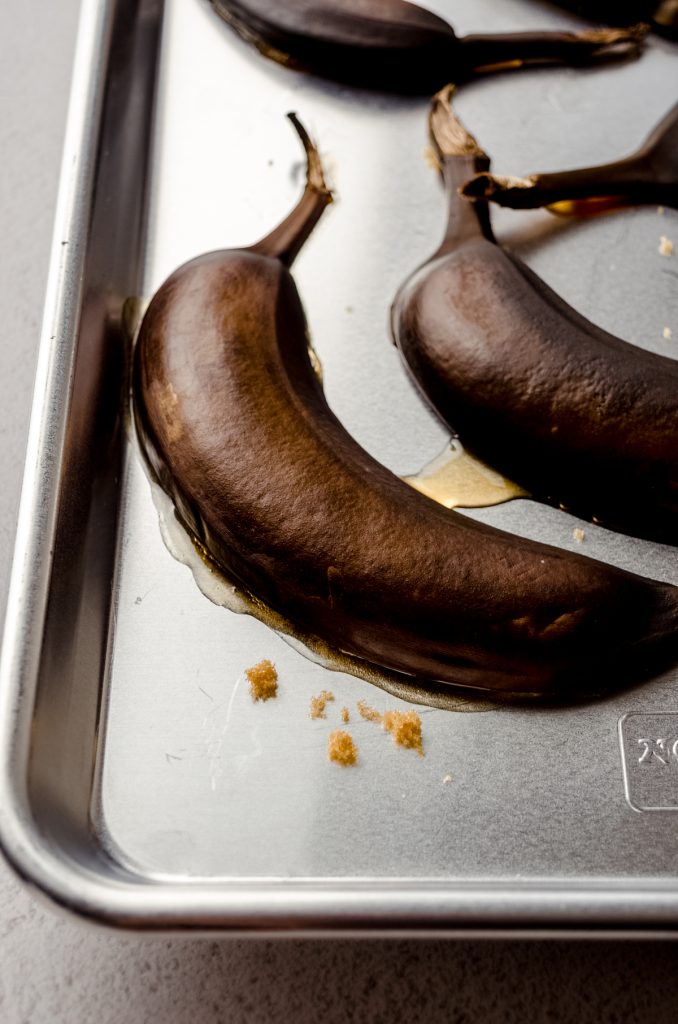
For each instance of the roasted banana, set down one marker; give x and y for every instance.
(575, 416)
(236, 428)
(399, 47)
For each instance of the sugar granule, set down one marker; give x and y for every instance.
(368, 713)
(665, 246)
(263, 680)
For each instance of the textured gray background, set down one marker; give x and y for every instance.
(56, 970)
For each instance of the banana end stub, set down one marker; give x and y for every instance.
(495, 187)
(448, 135)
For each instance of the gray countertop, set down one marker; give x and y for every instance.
(56, 969)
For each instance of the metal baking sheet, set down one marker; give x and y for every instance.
(140, 786)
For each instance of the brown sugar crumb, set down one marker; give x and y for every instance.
(665, 246)
(263, 680)
(319, 703)
(341, 749)
(344, 715)
(368, 713)
(405, 728)
(578, 534)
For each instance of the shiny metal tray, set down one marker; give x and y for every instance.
(140, 786)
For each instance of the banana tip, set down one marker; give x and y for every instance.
(604, 37)
(494, 186)
(477, 188)
(315, 175)
(448, 135)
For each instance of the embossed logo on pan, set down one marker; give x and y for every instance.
(649, 750)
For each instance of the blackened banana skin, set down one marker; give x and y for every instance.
(650, 175)
(235, 424)
(576, 416)
(661, 14)
(399, 47)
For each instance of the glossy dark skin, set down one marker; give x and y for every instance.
(650, 175)
(661, 14)
(397, 46)
(576, 416)
(234, 422)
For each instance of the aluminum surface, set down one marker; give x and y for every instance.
(140, 785)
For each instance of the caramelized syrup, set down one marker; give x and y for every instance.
(456, 479)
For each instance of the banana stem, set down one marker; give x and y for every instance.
(486, 53)
(649, 175)
(459, 155)
(287, 239)
(620, 180)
